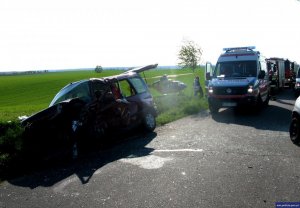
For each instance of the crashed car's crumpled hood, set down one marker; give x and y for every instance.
(45, 115)
(236, 82)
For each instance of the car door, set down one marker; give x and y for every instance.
(263, 81)
(209, 69)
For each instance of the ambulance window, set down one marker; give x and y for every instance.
(251, 69)
(224, 68)
(236, 69)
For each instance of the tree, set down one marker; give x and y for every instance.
(98, 69)
(189, 55)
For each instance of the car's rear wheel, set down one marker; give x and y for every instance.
(149, 122)
(295, 130)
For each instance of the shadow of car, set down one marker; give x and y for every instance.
(86, 111)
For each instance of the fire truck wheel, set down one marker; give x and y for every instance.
(295, 130)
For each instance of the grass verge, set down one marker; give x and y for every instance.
(173, 107)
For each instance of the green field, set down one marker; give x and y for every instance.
(27, 94)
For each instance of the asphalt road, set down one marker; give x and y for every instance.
(233, 159)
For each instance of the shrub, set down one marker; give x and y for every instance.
(11, 135)
(11, 142)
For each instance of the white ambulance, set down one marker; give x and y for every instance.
(239, 78)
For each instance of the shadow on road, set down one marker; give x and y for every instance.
(86, 166)
(275, 117)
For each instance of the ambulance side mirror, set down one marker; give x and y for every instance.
(208, 71)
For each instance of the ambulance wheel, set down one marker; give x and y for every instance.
(259, 104)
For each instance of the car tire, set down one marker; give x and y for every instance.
(149, 122)
(259, 104)
(266, 102)
(295, 130)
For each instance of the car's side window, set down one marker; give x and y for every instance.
(82, 91)
(138, 84)
(99, 86)
(126, 89)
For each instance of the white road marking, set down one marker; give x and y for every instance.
(147, 162)
(152, 161)
(179, 150)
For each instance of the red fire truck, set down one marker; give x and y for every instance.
(294, 70)
(276, 69)
(289, 73)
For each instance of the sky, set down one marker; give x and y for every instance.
(71, 34)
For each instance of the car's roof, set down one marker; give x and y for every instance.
(239, 54)
(75, 83)
(124, 75)
(132, 72)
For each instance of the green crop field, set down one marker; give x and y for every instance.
(27, 94)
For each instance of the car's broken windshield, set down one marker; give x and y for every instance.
(76, 90)
(236, 69)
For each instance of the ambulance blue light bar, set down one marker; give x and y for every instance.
(239, 48)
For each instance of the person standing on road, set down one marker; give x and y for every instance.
(197, 87)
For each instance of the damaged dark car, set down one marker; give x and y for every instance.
(88, 110)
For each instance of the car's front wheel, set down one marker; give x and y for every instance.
(149, 122)
(295, 130)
